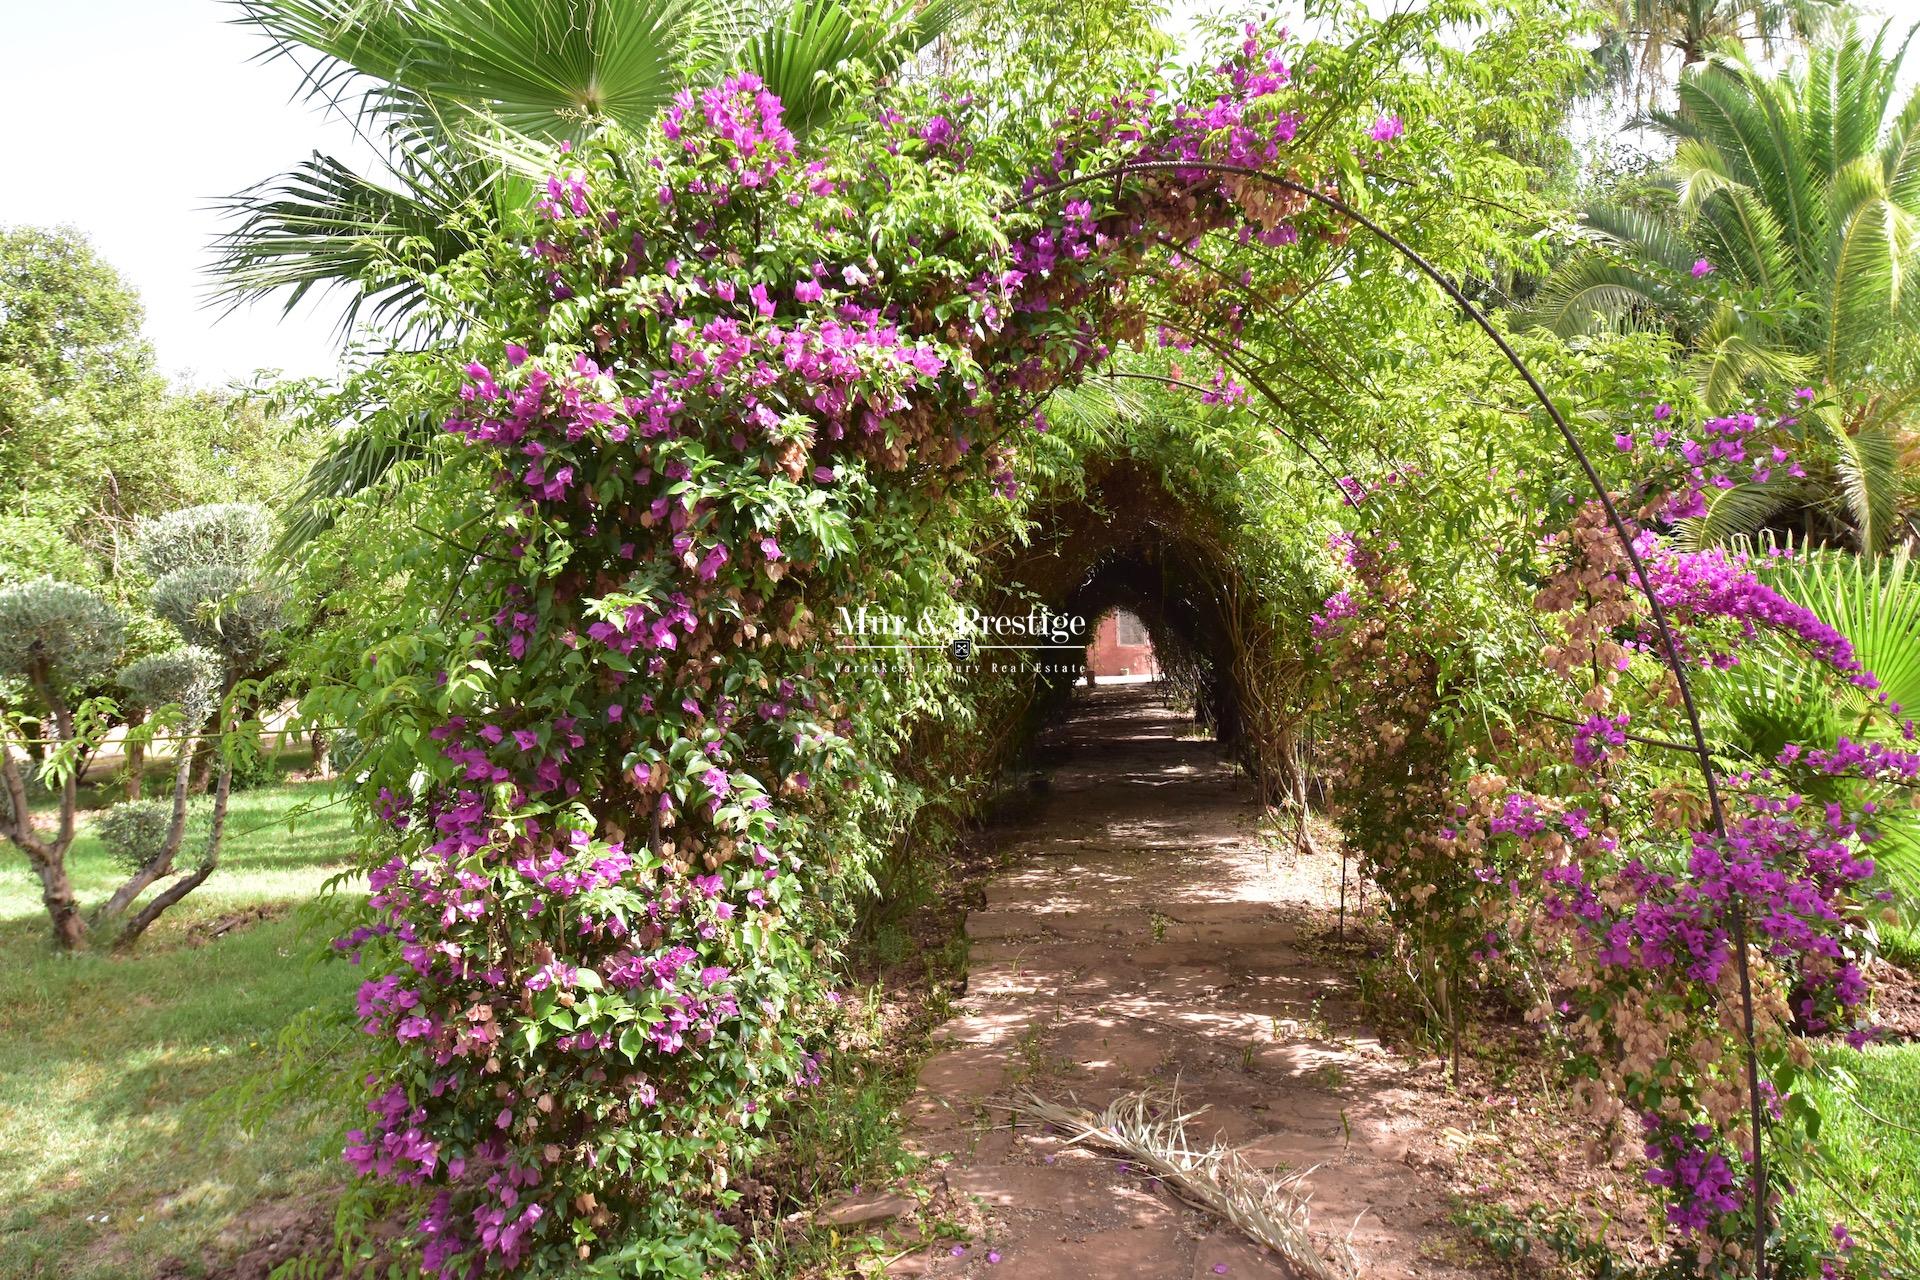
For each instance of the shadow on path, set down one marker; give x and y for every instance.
(1139, 936)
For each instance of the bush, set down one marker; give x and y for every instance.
(135, 832)
(252, 767)
(69, 629)
(188, 676)
(218, 607)
(346, 749)
(225, 533)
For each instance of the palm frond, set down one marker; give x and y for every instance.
(361, 459)
(1867, 467)
(323, 225)
(1900, 155)
(1098, 409)
(799, 49)
(1872, 257)
(1875, 603)
(1150, 1129)
(1751, 119)
(1741, 511)
(1594, 288)
(1774, 696)
(1739, 233)
(548, 68)
(1648, 235)
(1732, 350)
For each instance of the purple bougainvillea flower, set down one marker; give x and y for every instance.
(937, 132)
(1387, 128)
(993, 1255)
(1219, 1268)
(1702, 267)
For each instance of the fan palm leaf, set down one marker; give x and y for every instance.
(548, 68)
(797, 50)
(322, 224)
(1777, 696)
(1874, 603)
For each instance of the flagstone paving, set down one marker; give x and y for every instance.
(1142, 935)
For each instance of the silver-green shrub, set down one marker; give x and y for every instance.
(135, 832)
(205, 562)
(188, 676)
(220, 607)
(228, 533)
(69, 630)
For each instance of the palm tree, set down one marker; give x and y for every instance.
(441, 89)
(1648, 33)
(1782, 252)
(429, 82)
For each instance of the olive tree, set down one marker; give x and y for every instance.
(55, 637)
(209, 581)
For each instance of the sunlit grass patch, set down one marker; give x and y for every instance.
(1869, 1177)
(113, 1158)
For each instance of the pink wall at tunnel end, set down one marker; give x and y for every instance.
(1120, 647)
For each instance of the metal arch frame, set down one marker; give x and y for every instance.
(1669, 644)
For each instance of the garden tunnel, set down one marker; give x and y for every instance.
(1128, 541)
(637, 717)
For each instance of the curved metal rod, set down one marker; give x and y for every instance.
(1668, 643)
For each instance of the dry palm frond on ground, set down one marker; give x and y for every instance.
(1150, 1129)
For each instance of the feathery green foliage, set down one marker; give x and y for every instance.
(1801, 193)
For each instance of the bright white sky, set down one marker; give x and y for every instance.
(131, 116)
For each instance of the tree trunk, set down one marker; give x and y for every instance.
(180, 888)
(322, 754)
(201, 756)
(108, 913)
(206, 750)
(136, 759)
(49, 859)
(56, 891)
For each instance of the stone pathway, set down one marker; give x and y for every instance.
(1139, 936)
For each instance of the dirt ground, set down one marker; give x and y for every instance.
(1142, 934)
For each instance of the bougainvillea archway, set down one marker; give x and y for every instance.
(631, 787)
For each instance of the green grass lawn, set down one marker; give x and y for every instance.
(1870, 1104)
(111, 1160)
